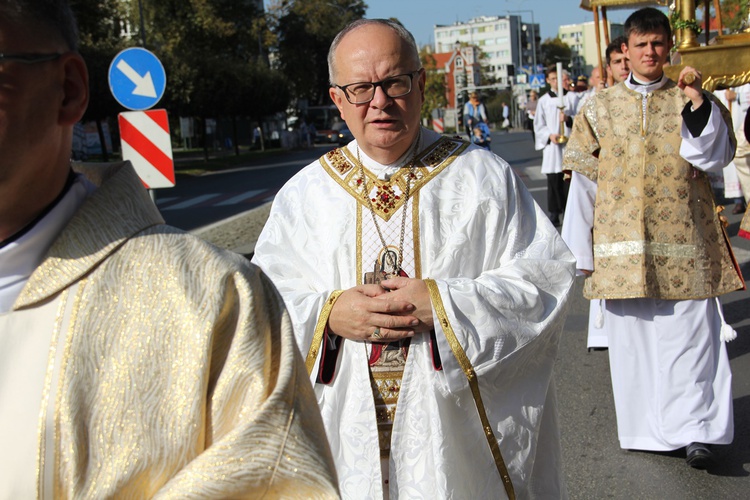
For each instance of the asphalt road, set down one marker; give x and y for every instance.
(198, 201)
(595, 466)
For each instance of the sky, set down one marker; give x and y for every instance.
(420, 16)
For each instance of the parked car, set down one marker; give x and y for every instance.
(331, 135)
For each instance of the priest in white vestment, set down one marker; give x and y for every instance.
(552, 124)
(654, 247)
(427, 289)
(136, 361)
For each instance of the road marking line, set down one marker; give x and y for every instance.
(166, 199)
(192, 201)
(239, 198)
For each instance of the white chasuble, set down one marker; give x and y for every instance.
(499, 277)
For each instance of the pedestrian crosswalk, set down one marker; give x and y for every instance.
(250, 198)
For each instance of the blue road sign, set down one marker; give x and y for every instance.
(537, 81)
(137, 79)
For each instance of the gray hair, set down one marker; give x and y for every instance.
(396, 26)
(553, 69)
(55, 14)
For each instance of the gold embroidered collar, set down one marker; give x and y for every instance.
(388, 196)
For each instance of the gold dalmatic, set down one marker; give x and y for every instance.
(657, 232)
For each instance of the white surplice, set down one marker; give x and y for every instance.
(666, 357)
(576, 233)
(503, 276)
(736, 175)
(546, 123)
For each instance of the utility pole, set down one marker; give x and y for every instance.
(143, 25)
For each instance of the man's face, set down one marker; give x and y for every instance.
(566, 81)
(619, 66)
(552, 81)
(385, 127)
(29, 97)
(596, 78)
(647, 53)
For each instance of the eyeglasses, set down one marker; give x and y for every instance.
(393, 86)
(28, 58)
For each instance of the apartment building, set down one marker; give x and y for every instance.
(506, 44)
(582, 40)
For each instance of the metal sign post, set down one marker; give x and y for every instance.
(137, 81)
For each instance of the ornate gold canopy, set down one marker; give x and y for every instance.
(725, 62)
(624, 4)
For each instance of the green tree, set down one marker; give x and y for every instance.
(554, 50)
(304, 31)
(213, 51)
(734, 13)
(100, 24)
(434, 91)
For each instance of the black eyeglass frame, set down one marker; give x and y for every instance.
(375, 85)
(29, 58)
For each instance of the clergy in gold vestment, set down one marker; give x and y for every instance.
(136, 361)
(659, 254)
(745, 225)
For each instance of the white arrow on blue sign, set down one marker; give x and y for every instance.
(137, 79)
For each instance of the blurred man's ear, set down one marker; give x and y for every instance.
(338, 99)
(75, 87)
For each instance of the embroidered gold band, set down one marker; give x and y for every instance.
(641, 247)
(463, 361)
(340, 165)
(319, 330)
(43, 466)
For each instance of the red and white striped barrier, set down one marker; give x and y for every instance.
(437, 125)
(145, 141)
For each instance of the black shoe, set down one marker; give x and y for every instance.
(699, 456)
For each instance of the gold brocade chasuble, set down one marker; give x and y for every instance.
(657, 232)
(173, 371)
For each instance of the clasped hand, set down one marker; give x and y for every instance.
(398, 307)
